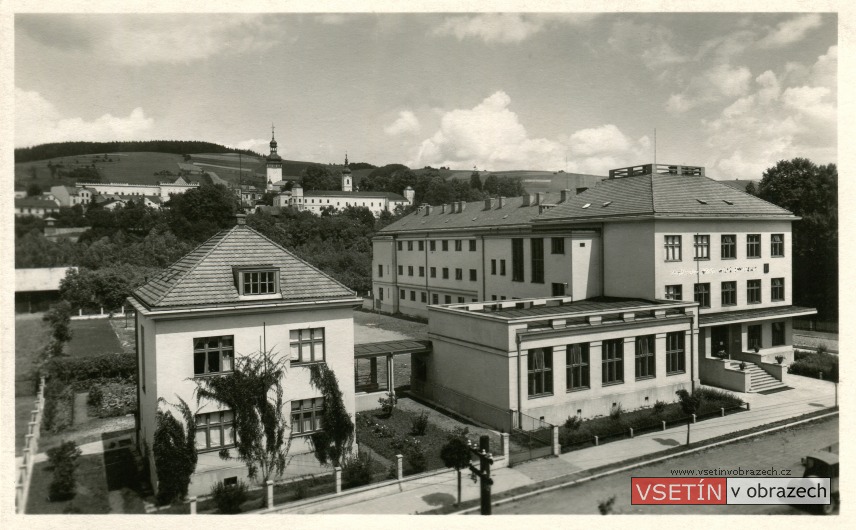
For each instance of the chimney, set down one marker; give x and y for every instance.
(539, 198)
(488, 203)
(566, 194)
(240, 219)
(428, 209)
(462, 205)
(580, 190)
(501, 202)
(527, 200)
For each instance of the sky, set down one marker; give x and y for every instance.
(734, 92)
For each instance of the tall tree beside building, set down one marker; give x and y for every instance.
(811, 192)
(319, 178)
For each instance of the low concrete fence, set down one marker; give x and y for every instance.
(31, 447)
(81, 315)
(716, 372)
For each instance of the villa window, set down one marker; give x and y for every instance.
(433, 271)
(445, 273)
(777, 245)
(421, 246)
(673, 248)
(540, 366)
(459, 274)
(435, 298)
(410, 270)
(432, 245)
(380, 271)
(421, 272)
(612, 361)
(410, 245)
(259, 282)
(502, 267)
(702, 247)
(578, 366)
(493, 267)
(401, 294)
(213, 355)
(306, 415)
(307, 345)
(645, 363)
(675, 353)
(215, 430)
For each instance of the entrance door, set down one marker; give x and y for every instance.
(719, 340)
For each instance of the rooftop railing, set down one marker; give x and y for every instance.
(656, 169)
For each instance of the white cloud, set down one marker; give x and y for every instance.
(503, 27)
(790, 31)
(490, 136)
(718, 82)
(729, 81)
(652, 43)
(37, 121)
(407, 122)
(259, 145)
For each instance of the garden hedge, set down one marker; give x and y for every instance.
(108, 365)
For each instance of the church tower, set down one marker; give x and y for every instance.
(274, 162)
(347, 182)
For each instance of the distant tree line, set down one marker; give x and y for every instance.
(178, 147)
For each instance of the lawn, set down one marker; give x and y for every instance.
(92, 337)
(91, 494)
(31, 335)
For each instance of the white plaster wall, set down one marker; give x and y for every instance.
(629, 252)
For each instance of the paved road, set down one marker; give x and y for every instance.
(781, 450)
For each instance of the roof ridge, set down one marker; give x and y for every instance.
(221, 234)
(292, 254)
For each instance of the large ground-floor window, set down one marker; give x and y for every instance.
(612, 370)
(540, 365)
(675, 353)
(578, 366)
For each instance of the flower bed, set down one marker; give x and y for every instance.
(811, 364)
(579, 434)
(112, 397)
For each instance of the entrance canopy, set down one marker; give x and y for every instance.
(392, 347)
(733, 317)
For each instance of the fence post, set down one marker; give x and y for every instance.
(596, 440)
(19, 498)
(664, 424)
(694, 418)
(631, 432)
(270, 494)
(722, 411)
(820, 375)
(747, 406)
(193, 506)
(337, 476)
(80, 312)
(557, 448)
(399, 466)
(505, 440)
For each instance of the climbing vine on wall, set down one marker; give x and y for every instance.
(336, 438)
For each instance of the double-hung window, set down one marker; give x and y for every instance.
(421, 272)
(432, 245)
(380, 271)
(306, 415)
(753, 246)
(729, 293)
(410, 245)
(307, 345)
(702, 294)
(540, 365)
(673, 248)
(213, 355)
(433, 271)
(675, 353)
(753, 292)
(215, 430)
(701, 244)
(777, 245)
(645, 359)
(612, 363)
(445, 273)
(502, 267)
(728, 246)
(777, 289)
(577, 366)
(421, 246)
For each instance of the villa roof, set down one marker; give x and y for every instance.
(205, 276)
(35, 202)
(345, 195)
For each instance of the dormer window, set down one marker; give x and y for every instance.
(257, 281)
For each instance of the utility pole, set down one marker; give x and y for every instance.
(483, 471)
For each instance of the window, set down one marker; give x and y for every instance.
(213, 355)
(778, 333)
(578, 366)
(433, 271)
(558, 289)
(517, 260)
(612, 361)
(460, 299)
(675, 353)
(728, 248)
(702, 247)
(410, 245)
(445, 273)
(258, 282)
(557, 245)
(459, 274)
(412, 296)
(645, 357)
(424, 297)
(493, 267)
(777, 245)
(673, 248)
(400, 246)
(502, 267)
(447, 299)
(380, 271)
(445, 245)
(401, 270)
(754, 336)
(380, 293)
(435, 298)
(753, 292)
(753, 246)
(674, 292)
(432, 245)
(537, 244)
(410, 270)
(729, 293)
(421, 246)
(540, 365)
(473, 275)
(459, 245)
(421, 272)
(307, 345)
(306, 415)
(402, 295)
(702, 294)
(215, 430)
(777, 289)
(472, 245)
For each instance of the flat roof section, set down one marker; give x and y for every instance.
(754, 314)
(393, 347)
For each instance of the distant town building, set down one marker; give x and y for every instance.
(36, 289)
(164, 190)
(35, 206)
(72, 195)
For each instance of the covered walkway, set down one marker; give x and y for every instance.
(368, 386)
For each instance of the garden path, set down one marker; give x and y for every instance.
(81, 408)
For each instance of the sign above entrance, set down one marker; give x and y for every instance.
(713, 270)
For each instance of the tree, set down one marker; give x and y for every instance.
(58, 318)
(333, 443)
(174, 449)
(201, 212)
(34, 190)
(268, 197)
(750, 188)
(456, 454)
(253, 392)
(689, 404)
(811, 192)
(475, 181)
(319, 178)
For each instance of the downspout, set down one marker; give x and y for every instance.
(519, 395)
(394, 294)
(698, 312)
(483, 271)
(427, 273)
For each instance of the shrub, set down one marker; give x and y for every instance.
(229, 498)
(615, 412)
(573, 423)
(659, 407)
(387, 404)
(357, 470)
(414, 457)
(63, 460)
(59, 406)
(96, 397)
(810, 365)
(108, 365)
(605, 507)
(115, 397)
(419, 424)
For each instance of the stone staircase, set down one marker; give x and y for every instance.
(759, 379)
